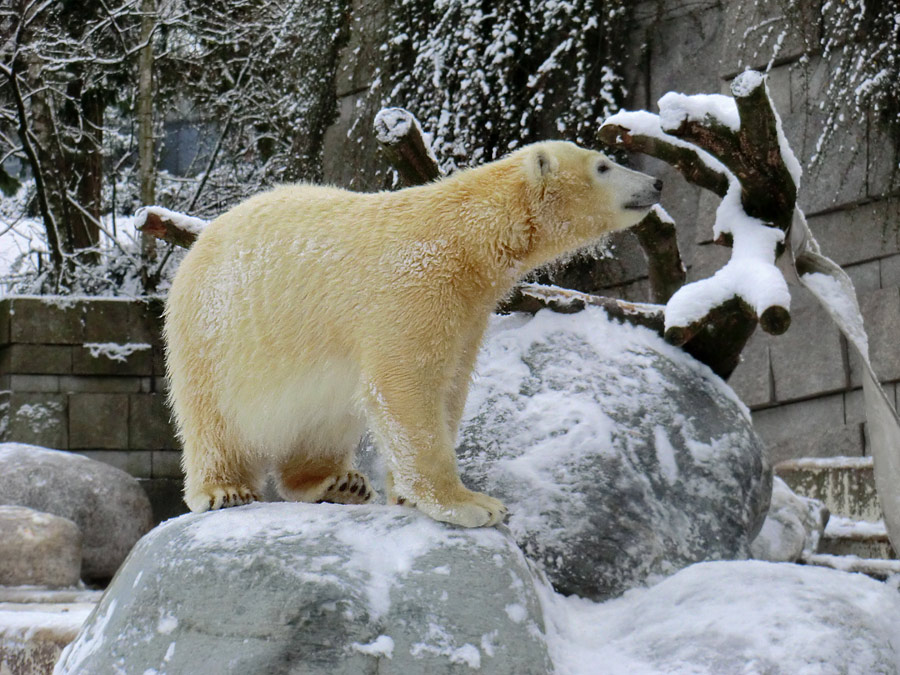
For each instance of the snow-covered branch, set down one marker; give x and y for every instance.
(733, 146)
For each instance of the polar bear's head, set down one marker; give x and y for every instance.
(576, 196)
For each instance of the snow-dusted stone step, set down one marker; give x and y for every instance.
(845, 484)
(38, 549)
(618, 455)
(35, 626)
(109, 506)
(877, 568)
(861, 538)
(316, 589)
(734, 617)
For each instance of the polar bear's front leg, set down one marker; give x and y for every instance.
(408, 416)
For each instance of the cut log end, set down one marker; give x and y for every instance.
(775, 320)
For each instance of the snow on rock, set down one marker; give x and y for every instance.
(732, 617)
(675, 108)
(338, 589)
(793, 527)
(183, 221)
(109, 506)
(619, 456)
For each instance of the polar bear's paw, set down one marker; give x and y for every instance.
(213, 497)
(469, 509)
(349, 488)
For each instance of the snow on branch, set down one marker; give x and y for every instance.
(735, 147)
(175, 228)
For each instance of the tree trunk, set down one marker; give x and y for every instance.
(146, 145)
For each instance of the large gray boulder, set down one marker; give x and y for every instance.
(38, 549)
(618, 455)
(316, 589)
(108, 505)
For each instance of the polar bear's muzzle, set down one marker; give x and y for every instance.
(647, 196)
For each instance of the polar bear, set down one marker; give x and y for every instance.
(306, 314)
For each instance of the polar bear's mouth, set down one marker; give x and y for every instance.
(639, 206)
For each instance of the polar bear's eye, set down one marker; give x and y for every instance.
(602, 168)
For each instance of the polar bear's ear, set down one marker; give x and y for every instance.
(542, 164)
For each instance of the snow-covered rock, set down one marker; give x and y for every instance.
(619, 456)
(36, 624)
(733, 617)
(109, 506)
(794, 525)
(38, 549)
(316, 588)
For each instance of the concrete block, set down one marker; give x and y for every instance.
(839, 441)
(882, 177)
(28, 359)
(881, 313)
(43, 383)
(680, 48)
(97, 360)
(48, 320)
(847, 487)
(753, 28)
(76, 384)
(106, 321)
(4, 322)
(890, 271)
(866, 277)
(808, 359)
(149, 425)
(145, 320)
(752, 379)
(839, 174)
(855, 405)
(98, 421)
(160, 385)
(38, 419)
(167, 464)
(165, 497)
(707, 205)
(794, 420)
(861, 233)
(137, 463)
(708, 259)
(159, 361)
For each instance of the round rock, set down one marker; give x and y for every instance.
(316, 588)
(38, 549)
(108, 505)
(619, 456)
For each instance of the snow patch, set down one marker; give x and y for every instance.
(115, 351)
(675, 108)
(383, 645)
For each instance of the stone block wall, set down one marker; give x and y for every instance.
(87, 375)
(803, 387)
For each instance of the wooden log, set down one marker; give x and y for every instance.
(403, 144)
(168, 228)
(656, 235)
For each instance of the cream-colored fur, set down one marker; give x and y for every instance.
(306, 314)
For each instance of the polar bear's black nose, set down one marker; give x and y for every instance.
(658, 184)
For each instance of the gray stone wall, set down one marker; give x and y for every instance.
(88, 376)
(803, 387)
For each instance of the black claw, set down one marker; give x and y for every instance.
(354, 489)
(212, 503)
(343, 487)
